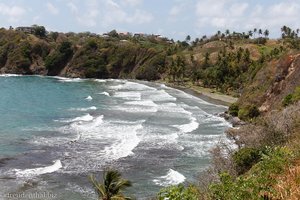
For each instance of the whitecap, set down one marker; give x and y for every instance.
(218, 121)
(121, 138)
(172, 178)
(116, 87)
(84, 109)
(105, 93)
(128, 95)
(187, 128)
(100, 80)
(10, 75)
(163, 86)
(38, 171)
(93, 122)
(141, 103)
(84, 118)
(174, 108)
(127, 142)
(162, 95)
(65, 79)
(136, 109)
(132, 86)
(89, 98)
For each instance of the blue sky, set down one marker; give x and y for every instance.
(172, 18)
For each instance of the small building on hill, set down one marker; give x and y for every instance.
(26, 29)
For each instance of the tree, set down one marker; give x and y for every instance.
(260, 32)
(112, 186)
(54, 35)
(227, 32)
(254, 31)
(113, 33)
(188, 38)
(266, 33)
(39, 31)
(250, 33)
(179, 192)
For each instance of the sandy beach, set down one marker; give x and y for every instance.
(206, 94)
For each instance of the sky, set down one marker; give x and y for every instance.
(171, 18)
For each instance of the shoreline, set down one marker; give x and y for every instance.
(206, 94)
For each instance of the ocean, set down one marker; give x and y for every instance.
(56, 131)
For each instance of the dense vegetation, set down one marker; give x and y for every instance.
(263, 73)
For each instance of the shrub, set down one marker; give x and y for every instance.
(253, 111)
(39, 31)
(296, 95)
(258, 182)
(92, 44)
(97, 72)
(234, 109)
(179, 192)
(248, 112)
(291, 98)
(56, 61)
(245, 158)
(287, 100)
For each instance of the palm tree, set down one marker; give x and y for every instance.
(254, 31)
(227, 32)
(188, 38)
(266, 33)
(250, 33)
(260, 32)
(112, 186)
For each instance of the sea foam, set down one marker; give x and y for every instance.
(127, 141)
(89, 98)
(172, 178)
(84, 109)
(132, 86)
(10, 75)
(187, 128)
(105, 93)
(84, 118)
(38, 171)
(128, 95)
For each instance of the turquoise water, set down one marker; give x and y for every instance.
(56, 131)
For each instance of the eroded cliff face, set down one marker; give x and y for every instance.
(287, 78)
(273, 83)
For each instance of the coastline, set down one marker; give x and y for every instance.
(206, 94)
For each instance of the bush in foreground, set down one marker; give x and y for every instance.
(179, 192)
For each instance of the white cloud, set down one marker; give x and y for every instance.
(108, 13)
(87, 13)
(14, 13)
(132, 2)
(241, 15)
(175, 10)
(114, 13)
(238, 9)
(52, 9)
(72, 7)
(139, 17)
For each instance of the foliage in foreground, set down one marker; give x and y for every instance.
(256, 184)
(112, 186)
(179, 192)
